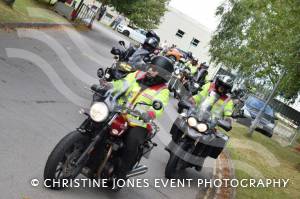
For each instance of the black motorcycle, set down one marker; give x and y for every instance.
(123, 65)
(94, 149)
(194, 137)
(120, 68)
(179, 82)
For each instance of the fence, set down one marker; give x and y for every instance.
(86, 15)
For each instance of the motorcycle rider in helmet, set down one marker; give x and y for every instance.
(143, 53)
(191, 63)
(202, 73)
(222, 86)
(143, 87)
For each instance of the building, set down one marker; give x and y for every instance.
(185, 32)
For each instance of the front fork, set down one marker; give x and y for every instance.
(86, 128)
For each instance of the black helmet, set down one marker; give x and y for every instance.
(189, 55)
(194, 62)
(162, 62)
(204, 65)
(163, 66)
(224, 81)
(151, 33)
(150, 43)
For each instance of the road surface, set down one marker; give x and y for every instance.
(43, 75)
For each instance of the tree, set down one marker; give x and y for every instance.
(142, 13)
(260, 38)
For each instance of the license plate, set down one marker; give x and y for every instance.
(107, 75)
(260, 126)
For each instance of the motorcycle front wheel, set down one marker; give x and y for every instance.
(60, 163)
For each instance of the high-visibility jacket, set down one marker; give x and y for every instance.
(223, 105)
(191, 67)
(135, 94)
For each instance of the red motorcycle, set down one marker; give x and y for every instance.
(94, 148)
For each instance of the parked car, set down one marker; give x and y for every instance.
(138, 35)
(251, 108)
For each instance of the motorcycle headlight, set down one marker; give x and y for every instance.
(99, 111)
(202, 127)
(196, 85)
(192, 122)
(177, 72)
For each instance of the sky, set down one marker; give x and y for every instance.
(201, 10)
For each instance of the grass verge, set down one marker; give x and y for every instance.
(27, 11)
(248, 150)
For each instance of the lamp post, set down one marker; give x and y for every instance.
(258, 116)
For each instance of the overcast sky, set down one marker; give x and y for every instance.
(200, 10)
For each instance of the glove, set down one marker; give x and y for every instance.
(101, 89)
(148, 116)
(96, 88)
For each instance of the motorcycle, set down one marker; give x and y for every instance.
(94, 148)
(120, 68)
(194, 137)
(179, 78)
(123, 65)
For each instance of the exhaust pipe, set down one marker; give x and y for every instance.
(139, 170)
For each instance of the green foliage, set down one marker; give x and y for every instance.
(261, 38)
(142, 13)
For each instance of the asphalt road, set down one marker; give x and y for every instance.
(43, 75)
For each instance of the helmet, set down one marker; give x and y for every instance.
(204, 65)
(194, 62)
(224, 81)
(189, 55)
(163, 64)
(151, 33)
(150, 44)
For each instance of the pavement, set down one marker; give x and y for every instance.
(43, 75)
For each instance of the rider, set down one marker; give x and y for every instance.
(150, 44)
(201, 76)
(222, 86)
(143, 87)
(192, 63)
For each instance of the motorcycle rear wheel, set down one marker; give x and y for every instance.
(59, 163)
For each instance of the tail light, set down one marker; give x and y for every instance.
(118, 126)
(149, 128)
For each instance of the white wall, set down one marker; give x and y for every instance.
(174, 20)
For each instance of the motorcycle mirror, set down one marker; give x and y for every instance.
(157, 105)
(100, 72)
(122, 43)
(115, 51)
(224, 125)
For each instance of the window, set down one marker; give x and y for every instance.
(109, 16)
(258, 104)
(180, 33)
(195, 42)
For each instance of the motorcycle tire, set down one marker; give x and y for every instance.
(170, 169)
(58, 155)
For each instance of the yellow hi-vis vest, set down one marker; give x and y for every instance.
(224, 105)
(135, 94)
